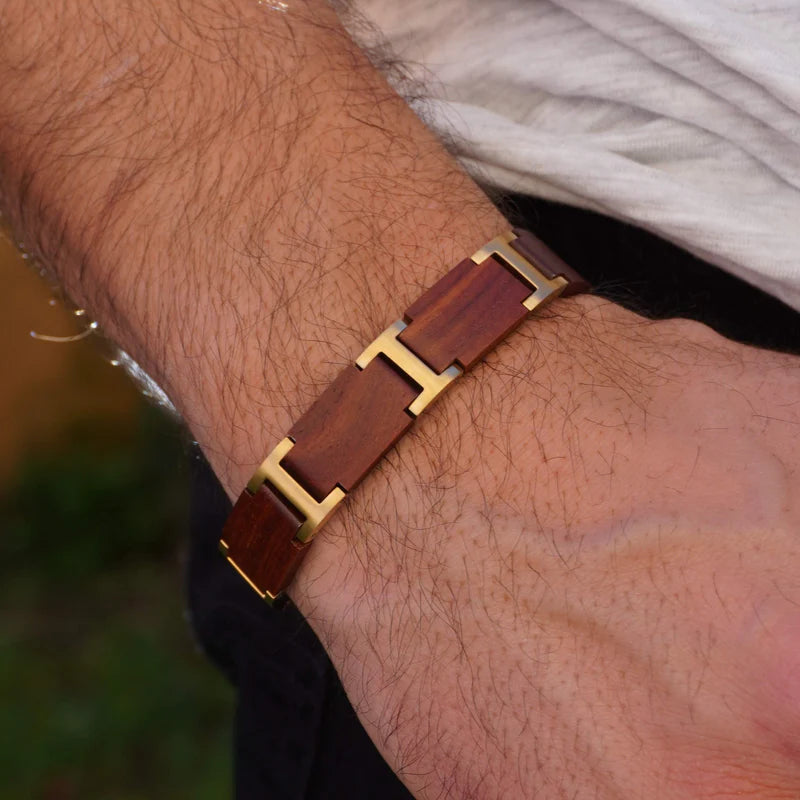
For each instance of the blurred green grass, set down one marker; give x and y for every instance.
(104, 692)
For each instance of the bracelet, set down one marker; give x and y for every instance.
(372, 403)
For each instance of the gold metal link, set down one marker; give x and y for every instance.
(273, 473)
(543, 286)
(431, 383)
(264, 594)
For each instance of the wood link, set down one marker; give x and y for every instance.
(538, 253)
(351, 425)
(265, 561)
(460, 318)
(364, 412)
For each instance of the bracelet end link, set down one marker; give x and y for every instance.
(273, 600)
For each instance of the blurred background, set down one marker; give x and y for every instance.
(104, 693)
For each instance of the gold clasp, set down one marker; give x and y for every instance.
(273, 473)
(543, 286)
(431, 383)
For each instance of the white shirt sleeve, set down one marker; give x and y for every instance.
(680, 116)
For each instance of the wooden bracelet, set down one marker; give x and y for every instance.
(373, 402)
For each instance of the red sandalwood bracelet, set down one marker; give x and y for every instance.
(372, 403)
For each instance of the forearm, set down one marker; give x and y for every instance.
(234, 192)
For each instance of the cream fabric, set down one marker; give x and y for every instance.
(680, 116)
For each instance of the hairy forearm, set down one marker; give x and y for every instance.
(234, 192)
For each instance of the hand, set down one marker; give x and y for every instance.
(580, 575)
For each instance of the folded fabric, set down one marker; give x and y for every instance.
(680, 116)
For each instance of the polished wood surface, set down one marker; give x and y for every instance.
(464, 315)
(259, 537)
(347, 430)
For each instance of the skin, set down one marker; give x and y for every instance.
(578, 575)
